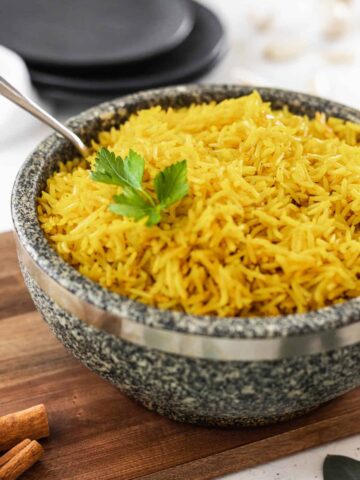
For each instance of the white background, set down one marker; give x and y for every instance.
(297, 25)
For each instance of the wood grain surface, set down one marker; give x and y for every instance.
(98, 433)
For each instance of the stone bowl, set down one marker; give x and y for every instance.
(205, 370)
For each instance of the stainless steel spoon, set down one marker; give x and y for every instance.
(9, 92)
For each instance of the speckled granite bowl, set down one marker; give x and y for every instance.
(215, 371)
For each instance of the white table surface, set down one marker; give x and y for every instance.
(298, 21)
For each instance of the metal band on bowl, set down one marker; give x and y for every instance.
(186, 344)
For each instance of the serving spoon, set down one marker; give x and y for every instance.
(10, 92)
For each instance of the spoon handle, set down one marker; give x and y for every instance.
(24, 102)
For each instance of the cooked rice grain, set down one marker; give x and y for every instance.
(270, 225)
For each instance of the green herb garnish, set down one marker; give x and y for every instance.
(170, 185)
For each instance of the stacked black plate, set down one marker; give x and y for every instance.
(92, 49)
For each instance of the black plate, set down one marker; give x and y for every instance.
(89, 33)
(197, 54)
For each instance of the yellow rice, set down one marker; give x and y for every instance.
(270, 224)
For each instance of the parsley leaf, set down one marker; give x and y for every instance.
(170, 185)
(132, 204)
(134, 169)
(116, 171)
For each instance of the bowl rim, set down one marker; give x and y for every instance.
(33, 241)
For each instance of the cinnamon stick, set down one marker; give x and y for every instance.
(22, 461)
(11, 453)
(31, 423)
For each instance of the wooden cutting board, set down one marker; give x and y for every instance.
(98, 433)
